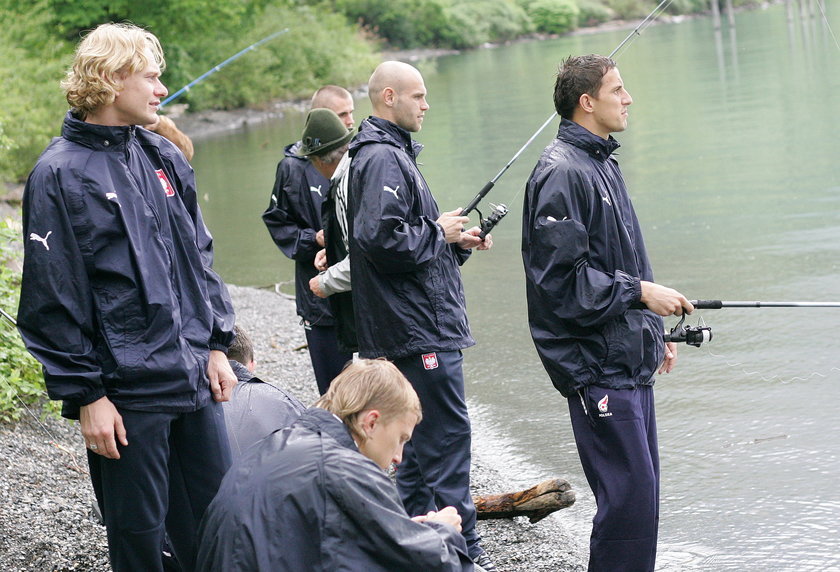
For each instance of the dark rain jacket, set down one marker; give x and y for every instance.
(293, 218)
(584, 258)
(305, 499)
(407, 289)
(118, 296)
(256, 409)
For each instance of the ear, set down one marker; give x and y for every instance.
(585, 102)
(369, 419)
(388, 96)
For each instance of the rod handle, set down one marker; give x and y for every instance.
(477, 199)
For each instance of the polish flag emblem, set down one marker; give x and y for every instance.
(164, 182)
(602, 404)
(430, 361)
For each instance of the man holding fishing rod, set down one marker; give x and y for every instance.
(587, 273)
(120, 304)
(408, 297)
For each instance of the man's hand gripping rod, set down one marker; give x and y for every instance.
(696, 335)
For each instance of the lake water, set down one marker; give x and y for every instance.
(731, 160)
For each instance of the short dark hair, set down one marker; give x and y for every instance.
(241, 350)
(578, 75)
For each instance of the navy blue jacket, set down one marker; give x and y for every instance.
(584, 258)
(407, 291)
(305, 499)
(118, 296)
(293, 218)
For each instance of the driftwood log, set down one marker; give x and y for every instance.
(536, 503)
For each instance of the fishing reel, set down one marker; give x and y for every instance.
(691, 335)
(487, 224)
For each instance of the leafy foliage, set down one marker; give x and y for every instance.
(22, 381)
(554, 16)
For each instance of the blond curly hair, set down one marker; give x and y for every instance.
(102, 58)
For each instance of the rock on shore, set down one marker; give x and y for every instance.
(46, 498)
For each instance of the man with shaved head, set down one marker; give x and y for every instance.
(293, 219)
(407, 292)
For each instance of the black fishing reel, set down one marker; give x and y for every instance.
(691, 335)
(487, 224)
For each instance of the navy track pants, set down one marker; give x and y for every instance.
(162, 482)
(615, 432)
(435, 471)
(327, 359)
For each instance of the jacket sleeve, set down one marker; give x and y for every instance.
(283, 219)
(223, 315)
(557, 257)
(386, 227)
(382, 528)
(336, 278)
(56, 317)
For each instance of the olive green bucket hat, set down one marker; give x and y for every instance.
(323, 132)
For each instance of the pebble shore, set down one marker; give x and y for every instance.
(46, 498)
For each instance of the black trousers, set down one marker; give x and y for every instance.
(435, 470)
(615, 432)
(327, 360)
(162, 483)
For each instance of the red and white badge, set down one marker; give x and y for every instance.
(430, 361)
(164, 182)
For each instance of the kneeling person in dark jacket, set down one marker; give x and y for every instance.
(314, 496)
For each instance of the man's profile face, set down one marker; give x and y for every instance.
(410, 104)
(385, 441)
(343, 107)
(609, 113)
(138, 100)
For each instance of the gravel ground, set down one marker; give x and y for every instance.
(46, 522)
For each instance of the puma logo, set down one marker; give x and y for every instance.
(388, 189)
(33, 236)
(316, 190)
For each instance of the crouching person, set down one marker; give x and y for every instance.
(315, 496)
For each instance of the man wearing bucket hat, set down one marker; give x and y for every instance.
(293, 219)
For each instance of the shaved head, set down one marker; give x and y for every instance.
(397, 93)
(338, 99)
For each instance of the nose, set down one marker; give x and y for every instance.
(424, 105)
(628, 99)
(349, 121)
(160, 89)
(397, 458)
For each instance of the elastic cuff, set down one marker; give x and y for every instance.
(217, 346)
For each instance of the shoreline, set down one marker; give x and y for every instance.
(47, 498)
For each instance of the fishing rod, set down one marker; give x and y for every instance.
(500, 210)
(216, 68)
(8, 317)
(697, 335)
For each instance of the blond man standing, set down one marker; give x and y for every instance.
(120, 305)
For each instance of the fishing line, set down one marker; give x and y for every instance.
(827, 25)
(625, 43)
(742, 367)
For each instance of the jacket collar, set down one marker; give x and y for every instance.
(377, 130)
(241, 372)
(97, 137)
(580, 137)
(322, 421)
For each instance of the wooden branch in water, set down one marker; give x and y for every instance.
(536, 503)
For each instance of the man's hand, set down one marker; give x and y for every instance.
(319, 238)
(470, 239)
(670, 361)
(222, 378)
(453, 226)
(102, 425)
(663, 300)
(315, 286)
(321, 260)
(448, 515)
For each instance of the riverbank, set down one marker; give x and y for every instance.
(46, 497)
